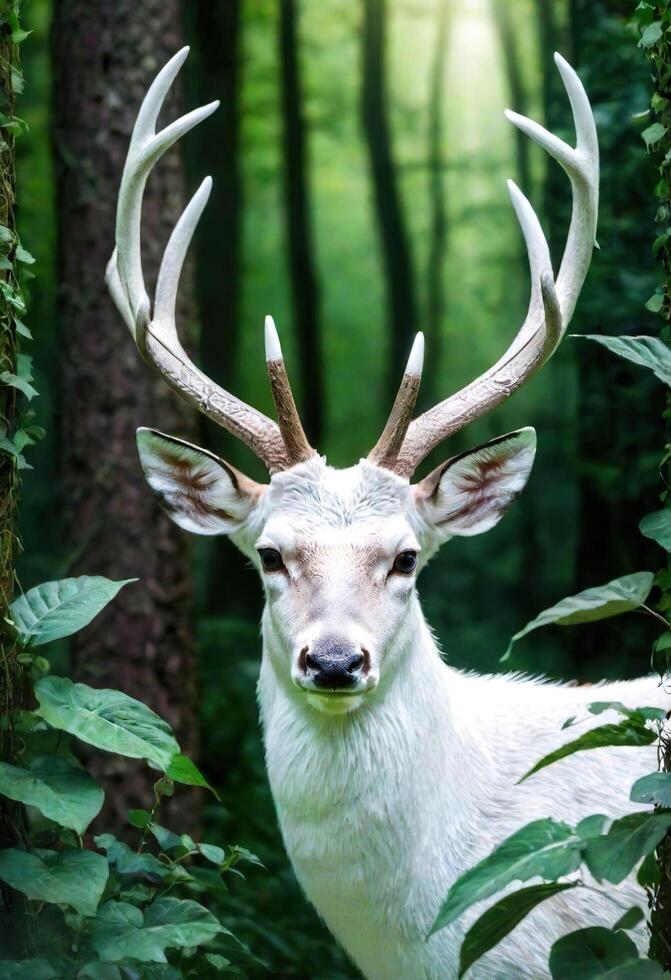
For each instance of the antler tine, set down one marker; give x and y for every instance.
(386, 450)
(550, 306)
(156, 335)
(297, 446)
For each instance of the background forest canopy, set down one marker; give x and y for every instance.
(359, 159)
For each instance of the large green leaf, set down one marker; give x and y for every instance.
(654, 789)
(626, 732)
(601, 602)
(544, 849)
(62, 792)
(657, 527)
(495, 924)
(56, 609)
(599, 954)
(33, 969)
(107, 719)
(183, 770)
(120, 930)
(129, 862)
(649, 352)
(613, 855)
(75, 878)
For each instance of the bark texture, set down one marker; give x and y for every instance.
(392, 229)
(105, 55)
(304, 285)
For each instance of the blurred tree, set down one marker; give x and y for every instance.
(393, 233)
(504, 21)
(104, 57)
(304, 285)
(438, 228)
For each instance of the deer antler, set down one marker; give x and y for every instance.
(550, 306)
(155, 333)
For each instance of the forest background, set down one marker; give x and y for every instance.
(359, 159)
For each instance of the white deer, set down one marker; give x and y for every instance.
(391, 772)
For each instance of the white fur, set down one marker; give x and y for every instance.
(384, 798)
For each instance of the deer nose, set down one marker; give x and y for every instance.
(334, 665)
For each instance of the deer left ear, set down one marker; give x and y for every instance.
(470, 493)
(198, 490)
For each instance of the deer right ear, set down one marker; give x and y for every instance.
(199, 491)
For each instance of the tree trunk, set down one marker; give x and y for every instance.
(517, 90)
(435, 272)
(393, 233)
(104, 57)
(11, 688)
(304, 285)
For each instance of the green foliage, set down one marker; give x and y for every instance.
(616, 597)
(654, 789)
(103, 902)
(596, 952)
(649, 352)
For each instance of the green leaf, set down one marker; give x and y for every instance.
(14, 381)
(653, 134)
(74, 878)
(655, 303)
(648, 352)
(183, 770)
(139, 818)
(33, 969)
(64, 793)
(657, 526)
(613, 855)
(622, 733)
(56, 609)
(654, 789)
(107, 719)
(651, 34)
(543, 848)
(616, 597)
(648, 875)
(120, 930)
(22, 255)
(495, 924)
(167, 841)
(596, 952)
(630, 919)
(127, 861)
(591, 826)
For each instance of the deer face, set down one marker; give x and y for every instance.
(338, 551)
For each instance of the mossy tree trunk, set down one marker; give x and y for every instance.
(104, 58)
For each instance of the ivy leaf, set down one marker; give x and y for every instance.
(543, 848)
(630, 919)
(128, 862)
(56, 609)
(183, 770)
(657, 527)
(495, 924)
(654, 789)
(613, 855)
(622, 733)
(74, 878)
(107, 719)
(121, 931)
(14, 381)
(23, 255)
(653, 134)
(596, 952)
(649, 352)
(601, 602)
(64, 793)
(651, 34)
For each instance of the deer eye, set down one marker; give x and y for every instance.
(405, 563)
(271, 559)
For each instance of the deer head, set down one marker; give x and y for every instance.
(339, 550)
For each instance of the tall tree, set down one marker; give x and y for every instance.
(304, 284)
(503, 15)
(392, 228)
(435, 272)
(104, 57)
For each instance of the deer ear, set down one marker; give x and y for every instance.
(470, 493)
(199, 491)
